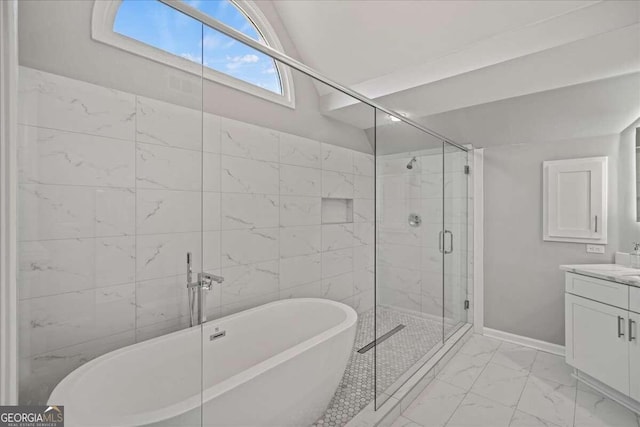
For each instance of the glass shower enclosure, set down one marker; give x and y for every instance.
(124, 171)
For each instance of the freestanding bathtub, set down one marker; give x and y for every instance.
(278, 364)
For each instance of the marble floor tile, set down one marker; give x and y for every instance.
(522, 419)
(435, 405)
(552, 367)
(479, 345)
(480, 412)
(404, 422)
(500, 384)
(463, 369)
(595, 409)
(548, 400)
(515, 356)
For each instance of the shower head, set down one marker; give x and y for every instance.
(411, 162)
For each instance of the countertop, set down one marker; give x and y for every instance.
(613, 272)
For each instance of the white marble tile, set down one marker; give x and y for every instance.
(309, 290)
(500, 384)
(53, 322)
(40, 374)
(300, 270)
(337, 185)
(400, 279)
(435, 405)
(363, 258)
(168, 168)
(56, 102)
(363, 164)
(337, 262)
(361, 301)
(249, 211)
(52, 267)
(62, 212)
(300, 181)
(48, 156)
(363, 187)
(402, 235)
(162, 328)
(296, 241)
(211, 173)
(249, 141)
(297, 210)
(552, 367)
(159, 122)
(464, 369)
(515, 356)
(403, 300)
(337, 159)
(548, 400)
(363, 233)
(211, 133)
(363, 281)
(160, 300)
(114, 211)
(595, 409)
(162, 255)
(211, 244)
(404, 422)
(299, 151)
(115, 261)
(239, 247)
(363, 210)
(248, 281)
(337, 236)
(249, 176)
(478, 411)
(479, 345)
(248, 303)
(168, 211)
(211, 211)
(338, 288)
(399, 256)
(522, 419)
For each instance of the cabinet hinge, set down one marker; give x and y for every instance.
(467, 170)
(466, 304)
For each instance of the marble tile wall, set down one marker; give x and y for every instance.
(410, 265)
(116, 188)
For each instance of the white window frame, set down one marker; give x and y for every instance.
(103, 18)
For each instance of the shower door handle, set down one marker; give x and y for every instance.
(450, 242)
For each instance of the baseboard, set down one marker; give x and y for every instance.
(525, 341)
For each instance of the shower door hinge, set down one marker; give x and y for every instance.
(467, 169)
(466, 304)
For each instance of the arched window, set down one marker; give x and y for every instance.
(154, 30)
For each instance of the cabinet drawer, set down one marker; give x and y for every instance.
(611, 293)
(634, 299)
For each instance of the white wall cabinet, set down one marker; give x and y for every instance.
(575, 200)
(601, 332)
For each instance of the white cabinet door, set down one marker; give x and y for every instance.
(596, 341)
(634, 355)
(575, 200)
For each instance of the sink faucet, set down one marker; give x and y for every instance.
(197, 293)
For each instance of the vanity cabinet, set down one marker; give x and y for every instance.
(594, 344)
(634, 356)
(601, 321)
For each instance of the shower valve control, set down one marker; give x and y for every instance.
(415, 220)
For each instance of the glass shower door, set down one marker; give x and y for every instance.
(455, 238)
(409, 281)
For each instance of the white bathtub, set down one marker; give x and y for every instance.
(278, 365)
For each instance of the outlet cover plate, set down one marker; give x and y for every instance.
(595, 249)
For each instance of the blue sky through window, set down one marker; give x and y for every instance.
(156, 24)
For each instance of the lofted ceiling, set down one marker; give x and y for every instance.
(439, 61)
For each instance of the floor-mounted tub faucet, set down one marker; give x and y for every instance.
(197, 293)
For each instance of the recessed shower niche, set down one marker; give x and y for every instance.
(337, 211)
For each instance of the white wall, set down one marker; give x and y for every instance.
(629, 227)
(115, 189)
(55, 36)
(524, 289)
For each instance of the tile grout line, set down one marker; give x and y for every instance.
(525, 386)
